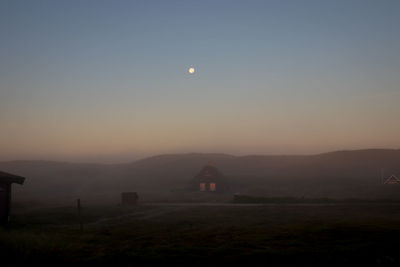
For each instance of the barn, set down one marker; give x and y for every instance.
(6, 179)
(209, 179)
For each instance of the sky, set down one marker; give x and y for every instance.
(108, 81)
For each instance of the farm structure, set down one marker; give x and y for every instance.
(6, 179)
(209, 179)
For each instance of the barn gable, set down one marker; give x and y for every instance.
(392, 180)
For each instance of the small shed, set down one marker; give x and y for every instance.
(6, 179)
(209, 179)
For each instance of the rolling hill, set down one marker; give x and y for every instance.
(341, 174)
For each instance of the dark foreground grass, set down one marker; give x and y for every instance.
(297, 235)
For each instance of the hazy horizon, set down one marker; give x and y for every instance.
(132, 157)
(108, 81)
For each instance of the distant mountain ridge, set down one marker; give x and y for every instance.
(374, 152)
(333, 174)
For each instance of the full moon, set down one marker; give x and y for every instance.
(191, 70)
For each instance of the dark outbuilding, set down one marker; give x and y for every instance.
(6, 179)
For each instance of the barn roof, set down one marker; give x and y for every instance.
(9, 178)
(392, 180)
(209, 173)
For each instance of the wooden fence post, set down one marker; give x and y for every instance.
(78, 203)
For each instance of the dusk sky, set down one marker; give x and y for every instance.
(108, 81)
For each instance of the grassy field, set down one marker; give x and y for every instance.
(255, 235)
